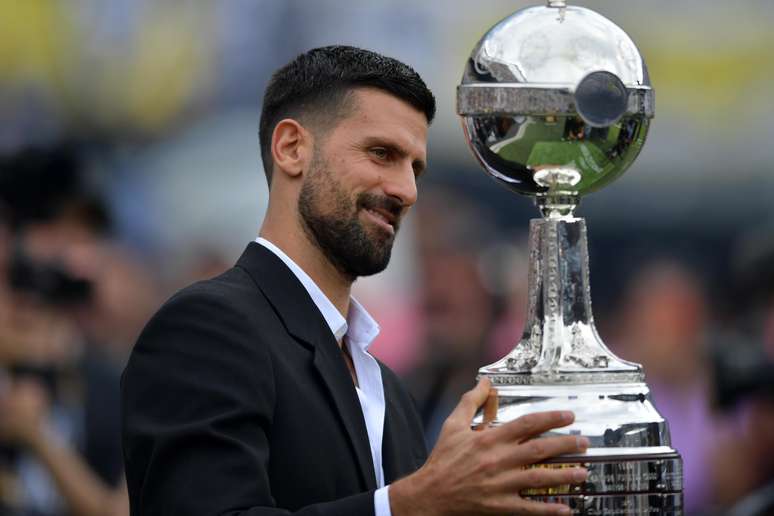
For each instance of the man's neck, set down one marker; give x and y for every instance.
(312, 261)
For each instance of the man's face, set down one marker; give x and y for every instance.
(362, 181)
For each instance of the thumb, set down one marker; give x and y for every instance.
(470, 402)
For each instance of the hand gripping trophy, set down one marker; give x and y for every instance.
(556, 102)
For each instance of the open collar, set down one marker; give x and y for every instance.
(303, 320)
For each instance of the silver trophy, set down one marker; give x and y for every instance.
(556, 102)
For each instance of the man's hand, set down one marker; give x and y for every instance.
(23, 413)
(472, 472)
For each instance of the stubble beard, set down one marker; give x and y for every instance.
(339, 234)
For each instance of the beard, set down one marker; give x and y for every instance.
(353, 249)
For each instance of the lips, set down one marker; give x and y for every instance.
(384, 211)
(384, 220)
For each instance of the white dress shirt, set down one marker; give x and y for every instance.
(357, 332)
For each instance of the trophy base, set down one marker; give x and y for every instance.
(633, 504)
(632, 468)
(625, 484)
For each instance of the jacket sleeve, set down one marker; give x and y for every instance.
(197, 400)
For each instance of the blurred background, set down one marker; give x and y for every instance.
(129, 167)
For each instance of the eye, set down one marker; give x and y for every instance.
(380, 153)
(419, 169)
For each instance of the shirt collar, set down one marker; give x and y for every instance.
(363, 329)
(360, 328)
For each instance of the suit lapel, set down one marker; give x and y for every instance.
(304, 321)
(336, 376)
(397, 455)
(403, 445)
(390, 458)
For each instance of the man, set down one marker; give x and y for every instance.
(253, 393)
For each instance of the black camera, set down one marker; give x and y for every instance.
(48, 282)
(741, 369)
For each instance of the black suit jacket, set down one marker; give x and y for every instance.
(237, 401)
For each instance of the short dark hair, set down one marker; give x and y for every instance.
(317, 83)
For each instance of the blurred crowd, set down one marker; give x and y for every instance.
(71, 303)
(129, 168)
(73, 299)
(74, 296)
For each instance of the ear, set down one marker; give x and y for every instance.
(291, 147)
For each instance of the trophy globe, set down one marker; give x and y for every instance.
(556, 102)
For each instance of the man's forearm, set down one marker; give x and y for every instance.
(84, 492)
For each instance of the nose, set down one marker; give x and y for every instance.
(402, 185)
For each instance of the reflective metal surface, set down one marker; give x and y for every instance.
(612, 416)
(555, 100)
(632, 473)
(545, 44)
(561, 363)
(644, 504)
(560, 343)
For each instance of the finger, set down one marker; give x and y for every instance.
(490, 410)
(542, 448)
(490, 407)
(532, 425)
(543, 477)
(469, 403)
(533, 508)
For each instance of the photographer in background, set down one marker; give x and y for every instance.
(662, 325)
(59, 435)
(743, 377)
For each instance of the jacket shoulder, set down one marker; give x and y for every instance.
(224, 315)
(231, 289)
(231, 297)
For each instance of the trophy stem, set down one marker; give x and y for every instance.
(560, 342)
(557, 206)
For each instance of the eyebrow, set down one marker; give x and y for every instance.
(418, 165)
